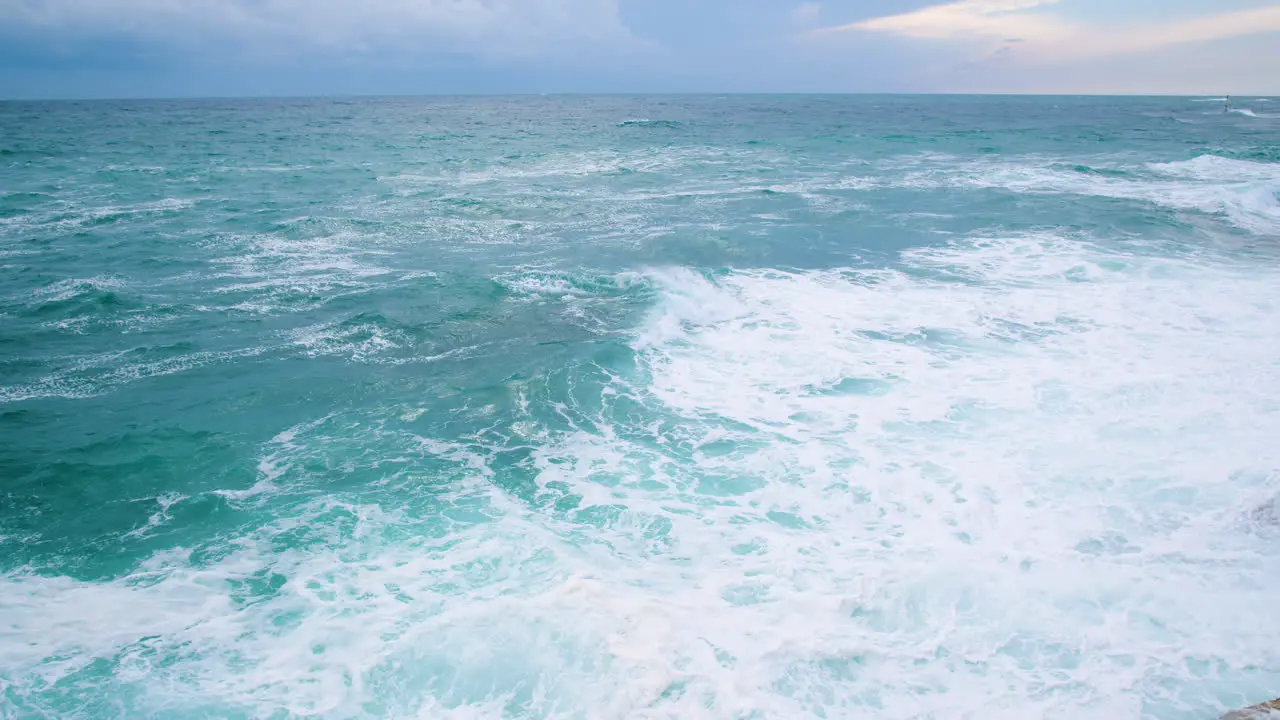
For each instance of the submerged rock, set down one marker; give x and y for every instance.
(1257, 712)
(1268, 513)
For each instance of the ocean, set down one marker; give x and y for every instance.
(742, 407)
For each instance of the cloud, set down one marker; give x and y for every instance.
(806, 14)
(971, 18)
(497, 28)
(1027, 30)
(1223, 26)
(1240, 66)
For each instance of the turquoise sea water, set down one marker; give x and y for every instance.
(656, 407)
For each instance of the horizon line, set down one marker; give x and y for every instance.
(677, 93)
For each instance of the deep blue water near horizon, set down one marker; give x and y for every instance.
(741, 407)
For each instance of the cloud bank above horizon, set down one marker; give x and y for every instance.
(69, 48)
(484, 28)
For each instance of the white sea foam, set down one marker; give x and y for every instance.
(982, 489)
(360, 341)
(160, 516)
(1011, 478)
(369, 341)
(67, 289)
(275, 268)
(89, 375)
(566, 166)
(586, 300)
(65, 215)
(1242, 191)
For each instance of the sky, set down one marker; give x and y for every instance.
(203, 48)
